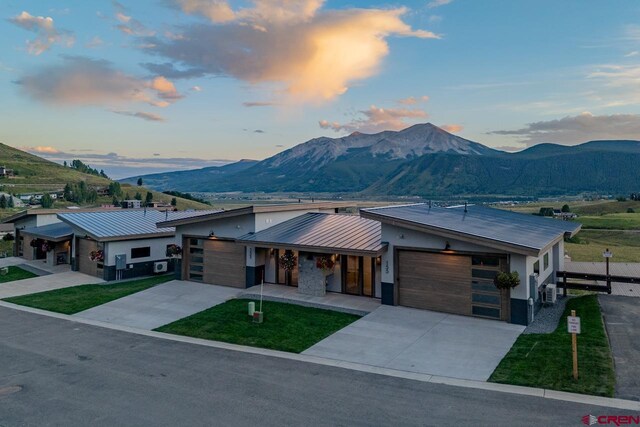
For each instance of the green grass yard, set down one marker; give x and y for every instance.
(16, 273)
(286, 327)
(544, 360)
(625, 246)
(614, 221)
(79, 298)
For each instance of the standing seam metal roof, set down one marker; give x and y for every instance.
(125, 223)
(529, 231)
(56, 231)
(321, 230)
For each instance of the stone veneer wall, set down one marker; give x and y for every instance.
(311, 280)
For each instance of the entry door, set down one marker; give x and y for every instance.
(359, 275)
(352, 279)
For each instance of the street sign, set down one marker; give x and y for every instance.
(573, 324)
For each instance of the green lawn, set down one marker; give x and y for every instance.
(544, 360)
(615, 221)
(625, 246)
(16, 273)
(79, 298)
(286, 327)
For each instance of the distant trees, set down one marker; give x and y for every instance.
(81, 167)
(187, 196)
(79, 193)
(46, 201)
(115, 189)
(10, 203)
(635, 196)
(138, 196)
(565, 208)
(174, 202)
(546, 212)
(139, 182)
(631, 210)
(3, 202)
(148, 198)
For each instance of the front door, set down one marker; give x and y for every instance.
(284, 277)
(358, 275)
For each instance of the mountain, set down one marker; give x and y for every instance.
(422, 160)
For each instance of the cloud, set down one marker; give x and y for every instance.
(170, 71)
(41, 149)
(306, 53)
(377, 120)
(258, 131)
(509, 148)
(438, 3)
(633, 53)
(452, 128)
(95, 42)
(412, 100)
(141, 115)
(128, 25)
(258, 104)
(120, 166)
(620, 84)
(46, 33)
(572, 130)
(85, 81)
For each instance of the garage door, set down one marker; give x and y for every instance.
(218, 262)
(451, 283)
(83, 249)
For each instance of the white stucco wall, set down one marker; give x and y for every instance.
(46, 219)
(223, 227)
(158, 249)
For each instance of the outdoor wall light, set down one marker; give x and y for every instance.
(211, 233)
(447, 246)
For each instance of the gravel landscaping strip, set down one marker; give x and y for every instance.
(546, 320)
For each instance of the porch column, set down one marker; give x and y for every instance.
(311, 280)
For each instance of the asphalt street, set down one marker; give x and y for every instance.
(58, 372)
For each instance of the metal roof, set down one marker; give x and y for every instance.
(266, 208)
(320, 232)
(125, 224)
(521, 233)
(54, 232)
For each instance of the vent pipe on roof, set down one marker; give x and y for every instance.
(465, 207)
(429, 204)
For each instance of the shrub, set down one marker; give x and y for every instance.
(506, 280)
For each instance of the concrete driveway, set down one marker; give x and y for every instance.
(422, 341)
(45, 283)
(159, 305)
(622, 319)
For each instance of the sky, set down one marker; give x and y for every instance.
(135, 87)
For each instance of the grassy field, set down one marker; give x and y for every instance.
(16, 273)
(625, 246)
(286, 327)
(79, 298)
(544, 360)
(615, 221)
(580, 207)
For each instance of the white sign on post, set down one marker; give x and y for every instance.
(573, 324)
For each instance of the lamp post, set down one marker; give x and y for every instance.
(607, 254)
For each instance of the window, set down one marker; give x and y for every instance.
(536, 267)
(546, 261)
(140, 252)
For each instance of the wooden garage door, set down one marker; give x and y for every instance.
(434, 282)
(84, 248)
(218, 262)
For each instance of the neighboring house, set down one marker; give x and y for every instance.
(210, 252)
(5, 172)
(124, 243)
(445, 259)
(131, 204)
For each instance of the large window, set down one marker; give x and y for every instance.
(140, 252)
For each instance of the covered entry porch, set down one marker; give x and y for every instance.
(318, 253)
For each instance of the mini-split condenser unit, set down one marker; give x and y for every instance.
(549, 294)
(160, 267)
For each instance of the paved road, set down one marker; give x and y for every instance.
(622, 317)
(75, 374)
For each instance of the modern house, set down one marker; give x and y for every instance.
(210, 251)
(445, 259)
(121, 244)
(433, 258)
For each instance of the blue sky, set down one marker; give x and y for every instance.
(134, 87)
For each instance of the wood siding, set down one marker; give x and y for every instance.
(434, 281)
(217, 262)
(83, 249)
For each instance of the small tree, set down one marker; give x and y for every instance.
(546, 212)
(138, 196)
(631, 210)
(139, 182)
(127, 196)
(3, 202)
(10, 203)
(565, 208)
(174, 202)
(46, 201)
(148, 198)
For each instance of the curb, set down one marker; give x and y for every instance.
(427, 378)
